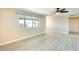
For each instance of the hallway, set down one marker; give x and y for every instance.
(46, 42)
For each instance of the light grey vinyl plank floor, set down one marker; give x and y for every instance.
(46, 42)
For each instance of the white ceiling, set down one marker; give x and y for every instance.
(44, 11)
(73, 11)
(49, 11)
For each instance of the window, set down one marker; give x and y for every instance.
(28, 22)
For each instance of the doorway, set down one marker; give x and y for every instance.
(74, 25)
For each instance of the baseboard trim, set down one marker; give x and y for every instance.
(1, 44)
(61, 32)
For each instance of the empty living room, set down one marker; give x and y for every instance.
(39, 29)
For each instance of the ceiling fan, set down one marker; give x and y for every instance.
(61, 10)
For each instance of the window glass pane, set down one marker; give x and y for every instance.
(21, 23)
(28, 23)
(35, 23)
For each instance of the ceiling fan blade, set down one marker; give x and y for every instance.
(64, 11)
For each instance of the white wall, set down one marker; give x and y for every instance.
(74, 24)
(9, 26)
(58, 23)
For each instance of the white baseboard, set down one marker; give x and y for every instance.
(61, 32)
(1, 44)
(58, 31)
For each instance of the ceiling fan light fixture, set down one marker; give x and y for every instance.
(57, 13)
